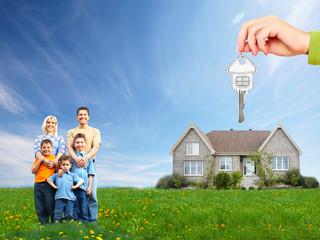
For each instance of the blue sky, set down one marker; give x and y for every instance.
(146, 69)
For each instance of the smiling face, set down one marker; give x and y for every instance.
(51, 126)
(79, 144)
(65, 165)
(46, 149)
(83, 118)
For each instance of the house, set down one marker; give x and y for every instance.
(242, 70)
(227, 150)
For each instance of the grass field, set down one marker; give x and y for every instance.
(174, 214)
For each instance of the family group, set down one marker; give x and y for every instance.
(65, 186)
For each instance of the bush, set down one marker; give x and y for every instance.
(172, 181)
(310, 182)
(251, 188)
(236, 179)
(223, 180)
(243, 188)
(294, 178)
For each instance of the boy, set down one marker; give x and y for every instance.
(64, 197)
(43, 193)
(87, 172)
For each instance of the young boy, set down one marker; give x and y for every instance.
(80, 209)
(64, 197)
(43, 193)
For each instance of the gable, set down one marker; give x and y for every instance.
(281, 141)
(194, 130)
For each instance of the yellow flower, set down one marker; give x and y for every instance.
(190, 230)
(86, 237)
(283, 230)
(146, 222)
(218, 204)
(60, 233)
(141, 229)
(118, 238)
(222, 225)
(91, 232)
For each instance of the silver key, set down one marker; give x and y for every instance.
(241, 99)
(242, 70)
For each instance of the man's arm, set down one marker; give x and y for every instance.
(93, 151)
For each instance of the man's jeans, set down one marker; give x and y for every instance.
(63, 206)
(80, 208)
(93, 200)
(44, 201)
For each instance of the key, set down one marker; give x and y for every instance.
(241, 99)
(242, 70)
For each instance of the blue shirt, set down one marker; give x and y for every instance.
(84, 171)
(64, 185)
(58, 144)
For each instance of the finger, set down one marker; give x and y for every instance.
(261, 40)
(242, 36)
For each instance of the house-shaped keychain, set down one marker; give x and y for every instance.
(242, 70)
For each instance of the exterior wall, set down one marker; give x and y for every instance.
(280, 145)
(236, 164)
(179, 156)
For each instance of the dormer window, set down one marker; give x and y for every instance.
(192, 149)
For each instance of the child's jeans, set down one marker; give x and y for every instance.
(80, 208)
(63, 206)
(44, 201)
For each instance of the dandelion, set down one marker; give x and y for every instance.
(141, 229)
(190, 230)
(223, 225)
(118, 238)
(146, 222)
(165, 204)
(60, 233)
(218, 204)
(86, 237)
(91, 232)
(283, 230)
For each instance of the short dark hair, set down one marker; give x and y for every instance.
(82, 108)
(65, 158)
(79, 135)
(45, 141)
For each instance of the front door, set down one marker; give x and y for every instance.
(248, 167)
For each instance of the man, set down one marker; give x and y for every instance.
(93, 144)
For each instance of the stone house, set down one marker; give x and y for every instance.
(227, 151)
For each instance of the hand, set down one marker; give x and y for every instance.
(80, 162)
(60, 172)
(88, 191)
(48, 163)
(282, 38)
(73, 187)
(55, 187)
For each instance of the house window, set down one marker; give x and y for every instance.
(193, 168)
(225, 163)
(280, 163)
(242, 81)
(192, 148)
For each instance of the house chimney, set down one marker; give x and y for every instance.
(231, 129)
(250, 129)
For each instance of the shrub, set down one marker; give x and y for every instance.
(294, 178)
(243, 188)
(172, 181)
(311, 182)
(223, 180)
(236, 179)
(251, 188)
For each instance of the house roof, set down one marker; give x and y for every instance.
(237, 67)
(234, 141)
(237, 141)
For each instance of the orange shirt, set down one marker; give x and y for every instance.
(43, 171)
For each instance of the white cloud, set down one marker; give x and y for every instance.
(17, 157)
(13, 102)
(238, 18)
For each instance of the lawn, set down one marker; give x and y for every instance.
(127, 213)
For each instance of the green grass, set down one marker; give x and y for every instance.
(174, 214)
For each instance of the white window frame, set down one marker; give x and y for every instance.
(225, 161)
(278, 162)
(195, 171)
(194, 147)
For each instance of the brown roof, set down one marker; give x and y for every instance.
(237, 141)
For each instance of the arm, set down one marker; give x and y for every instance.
(93, 151)
(35, 167)
(90, 185)
(78, 184)
(51, 183)
(282, 38)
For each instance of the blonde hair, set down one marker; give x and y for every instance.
(44, 125)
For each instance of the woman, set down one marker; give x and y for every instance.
(50, 131)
